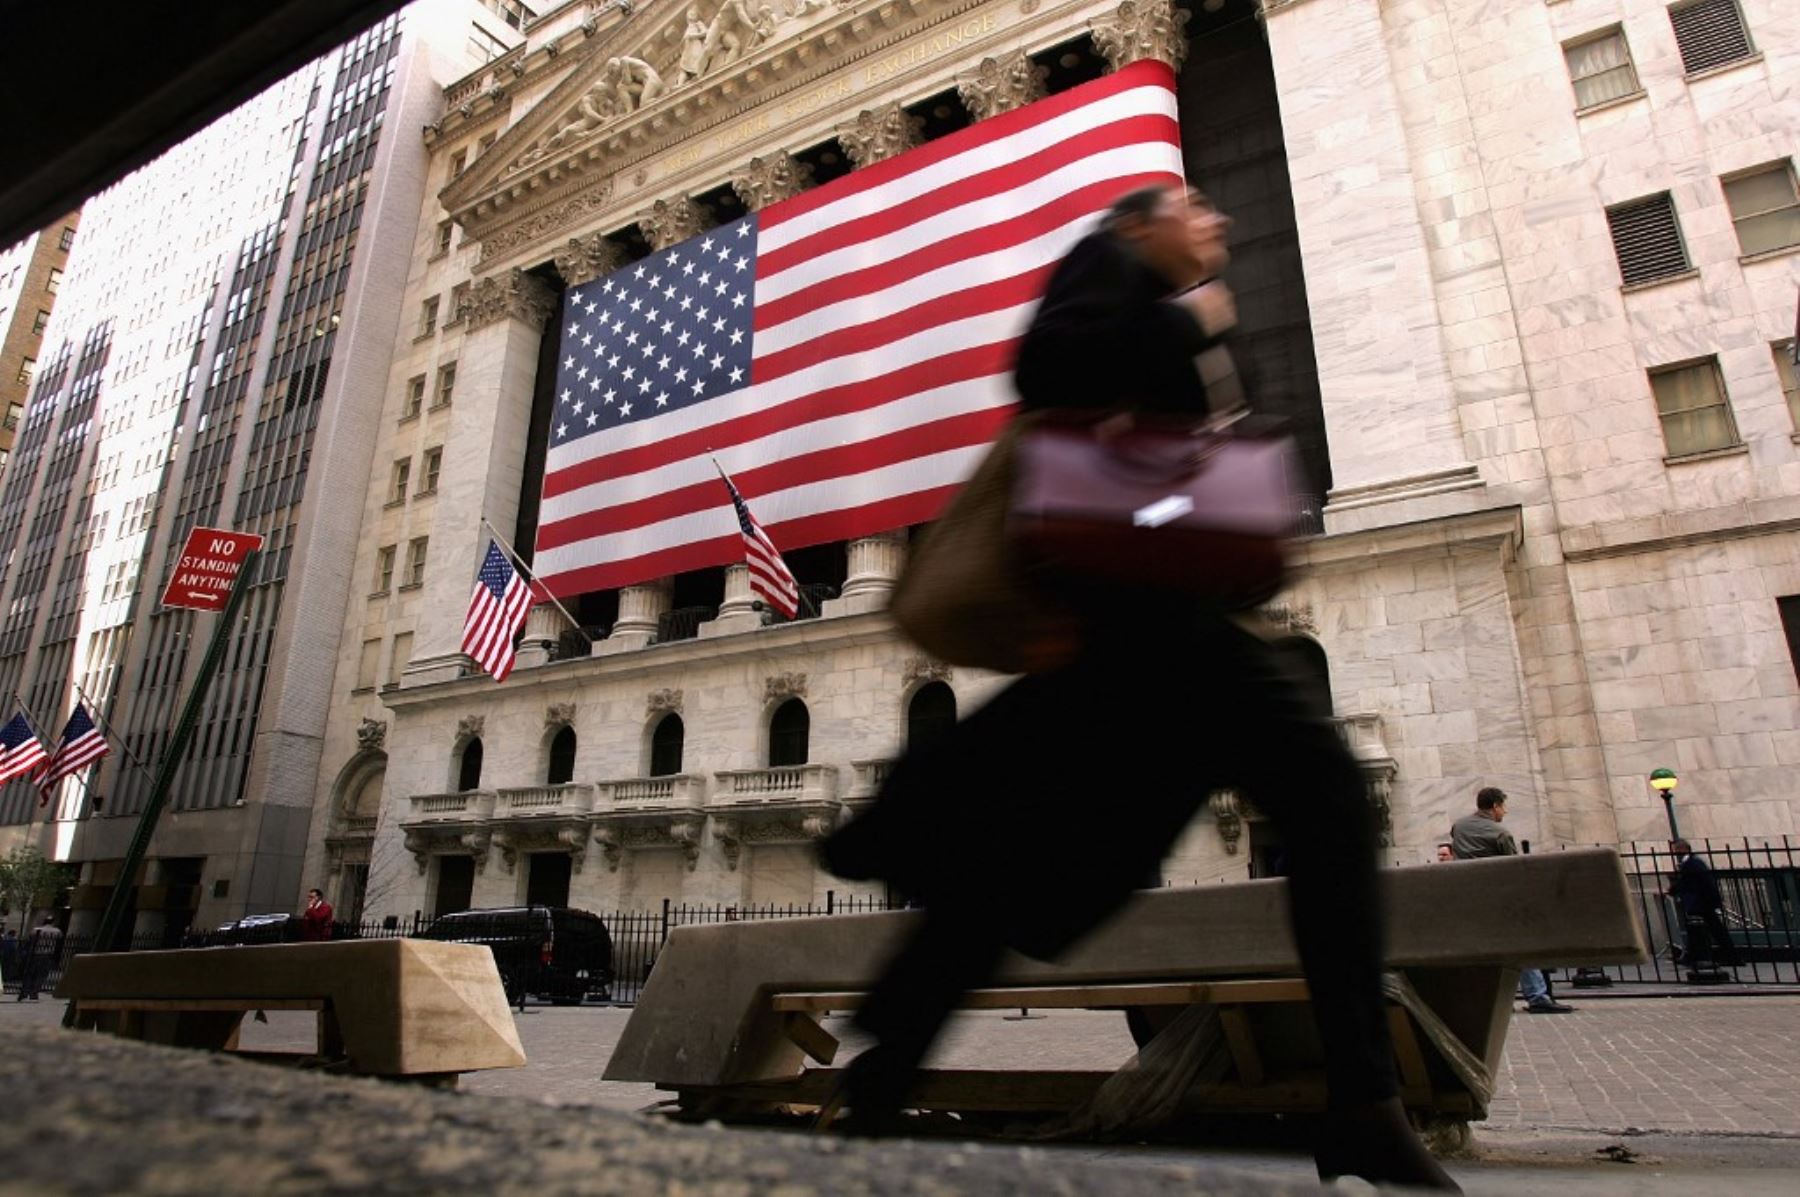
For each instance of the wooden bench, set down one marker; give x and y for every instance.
(730, 1018)
(389, 1007)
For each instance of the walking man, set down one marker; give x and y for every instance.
(1479, 834)
(41, 950)
(1695, 887)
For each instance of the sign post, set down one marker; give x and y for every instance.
(205, 578)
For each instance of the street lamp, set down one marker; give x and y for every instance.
(1664, 781)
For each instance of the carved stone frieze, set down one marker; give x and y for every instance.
(878, 134)
(662, 700)
(476, 842)
(559, 714)
(771, 179)
(661, 830)
(585, 259)
(1140, 29)
(1228, 813)
(672, 221)
(794, 826)
(470, 727)
(784, 685)
(1296, 618)
(1002, 84)
(503, 241)
(623, 86)
(371, 735)
(515, 295)
(924, 669)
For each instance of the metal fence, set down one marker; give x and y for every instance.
(1755, 938)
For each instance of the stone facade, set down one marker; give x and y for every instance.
(1516, 584)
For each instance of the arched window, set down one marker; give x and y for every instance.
(788, 732)
(665, 746)
(468, 769)
(562, 757)
(930, 715)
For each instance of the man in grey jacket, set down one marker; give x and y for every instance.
(1479, 834)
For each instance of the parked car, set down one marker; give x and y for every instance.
(545, 951)
(260, 928)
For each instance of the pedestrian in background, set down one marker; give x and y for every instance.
(315, 920)
(9, 954)
(41, 951)
(1702, 909)
(1477, 835)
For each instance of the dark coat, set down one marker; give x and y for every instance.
(1695, 887)
(1034, 818)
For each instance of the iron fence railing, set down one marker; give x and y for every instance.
(1755, 938)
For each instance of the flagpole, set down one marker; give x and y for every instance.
(38, 730)
(526, 570)
(806, 603)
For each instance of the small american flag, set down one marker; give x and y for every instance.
(770, 578)
(496, 612)
(20, 751)
(82, 744)
(847, 353)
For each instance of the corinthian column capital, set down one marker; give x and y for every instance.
(1140, 29)
(879, 133)
(1002, 84)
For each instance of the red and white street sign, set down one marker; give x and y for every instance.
(208, 567)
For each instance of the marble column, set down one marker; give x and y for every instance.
(641, 609)
(1001, 84)
(544, 624)
(1140, 29)
(1397, 446)
(496, 367)
(738, 612)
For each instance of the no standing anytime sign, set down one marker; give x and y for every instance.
(208, 567)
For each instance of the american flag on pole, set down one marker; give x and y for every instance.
(20, 751)
(82, 744)
(770, 578)
(496, 611)
(846, 353)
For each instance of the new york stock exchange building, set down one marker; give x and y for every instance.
(1520, 276)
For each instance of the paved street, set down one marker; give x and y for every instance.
(1681, 1084)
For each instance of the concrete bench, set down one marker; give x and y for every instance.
(729, 1018)
(386, 1007)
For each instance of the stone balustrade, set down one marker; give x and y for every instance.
(530, 802)
(468, 805)
(867, 777)
(638, 793)
(780, 783)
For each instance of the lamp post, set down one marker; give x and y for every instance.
(1664, 781)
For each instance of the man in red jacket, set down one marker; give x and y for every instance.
(315, 920)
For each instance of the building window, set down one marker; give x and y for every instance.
(930, 715)
(468, 766)
(433, 464)
(562, 758)
(443, 237)
(459, 298)
(1790, 378)
(788, 731)
(415, 560)
(27, 367)
(1765, 208)
(1710, 33)
(446, 385)
(1647, 239)
(397, 662)
(1690, 401)
(415, 397)
(484, 45)
(14, 413)
(384, 568)
(38, 322)
(458, 162)
(455, 884)
(428, 313)
(397, 484)
(367, 664)
(665, 746)
(512, 12)
(1789, 608)
(68, 239)
(53, 284)
(1600, 68)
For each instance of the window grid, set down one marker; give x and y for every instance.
(1691, 403)
(1600, 68)
(1765, 207)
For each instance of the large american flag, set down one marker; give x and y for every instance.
(845, 354)
(20, 750)
(82, 744)
(497, 608)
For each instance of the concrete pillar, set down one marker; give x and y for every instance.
(544, 624)
(874, 563)
(641, 609)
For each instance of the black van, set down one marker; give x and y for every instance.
(545, 951)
